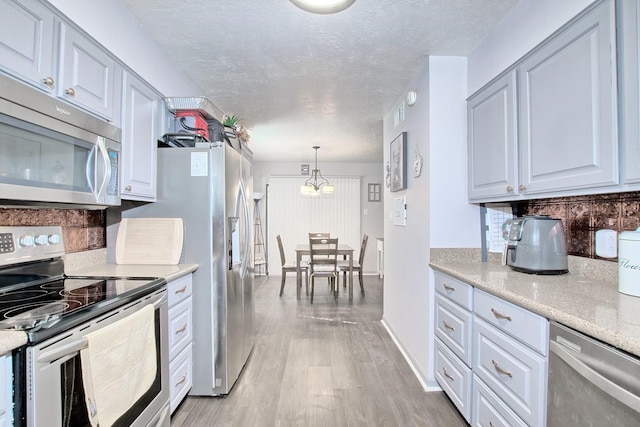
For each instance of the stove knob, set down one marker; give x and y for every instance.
(27, 241)
(42, 239)
(54, 239)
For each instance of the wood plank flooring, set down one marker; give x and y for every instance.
(324, 364)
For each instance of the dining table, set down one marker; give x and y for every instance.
(344, 250)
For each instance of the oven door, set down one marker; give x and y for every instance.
(54, 385)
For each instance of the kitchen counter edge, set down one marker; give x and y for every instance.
(591, 306)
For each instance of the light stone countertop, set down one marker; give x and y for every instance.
(168, 272)
(586, 299)
(93, 263)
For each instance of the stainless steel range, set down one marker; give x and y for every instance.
(62, 316)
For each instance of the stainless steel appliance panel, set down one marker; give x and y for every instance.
(590, 383)
(204, 187)
(51, 152)
(47, 371)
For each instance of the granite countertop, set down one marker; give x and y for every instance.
(168, 272)
(94, 264)
(585, 299)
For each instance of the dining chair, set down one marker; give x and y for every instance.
(324, 262)
(319, 235)
(343, 265)
(291, 268)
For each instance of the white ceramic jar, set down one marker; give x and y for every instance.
(629, 262)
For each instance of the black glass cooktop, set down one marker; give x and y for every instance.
(41, 306)
(45, 306)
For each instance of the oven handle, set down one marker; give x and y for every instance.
(80, 344)
(612, 389)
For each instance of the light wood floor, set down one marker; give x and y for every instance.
(323, 365)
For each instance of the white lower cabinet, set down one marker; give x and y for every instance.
(512, 371)
(491, 356)
(6, 391)
(454, 302)
(489, 410)
(180, 339)
(181, 376)
(455, 379)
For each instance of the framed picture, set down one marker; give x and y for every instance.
(399, 163)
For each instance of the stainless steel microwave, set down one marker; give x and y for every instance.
(53, 153)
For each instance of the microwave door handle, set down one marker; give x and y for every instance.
(90, 170)
(104, 155)
(609, 387)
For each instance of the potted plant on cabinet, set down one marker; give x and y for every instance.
(233, 122)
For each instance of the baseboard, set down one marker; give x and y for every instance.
(426, 385)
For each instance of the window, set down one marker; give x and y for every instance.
(374, 192)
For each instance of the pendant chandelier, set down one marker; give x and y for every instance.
(323, 6)
(316, 182)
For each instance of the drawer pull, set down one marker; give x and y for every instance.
(500, 370)
(448, 288)
(181, 380)
(182, 329)
(499, 315)
(446, 374)
(448, 326)
(181, 290)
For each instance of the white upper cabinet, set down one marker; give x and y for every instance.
(39, 49)
(87, 74)
(568, 108)
(27, 30)
(492, 140)
(548, 126)
(141, 124)
(629, 60)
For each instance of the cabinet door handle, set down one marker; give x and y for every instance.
(181, 290)
(49, 81)
(499, 315)
(500, 370)
(448, 326)
(127, 188)
(446, 374)
(71, 92)
(509, 189)
(491, 424)
(448, 288)
(522, 188)
(181, 329)
(181, 380)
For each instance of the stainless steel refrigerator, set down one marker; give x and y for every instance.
(210, 188)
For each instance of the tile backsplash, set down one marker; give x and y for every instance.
(82, 229)
(582, 216)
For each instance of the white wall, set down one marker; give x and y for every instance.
(371, 224)
(438, 214)
(526, 25)
(454, 223)
(111, 24)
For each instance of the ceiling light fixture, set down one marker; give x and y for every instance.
(323, 6)
(316, 181)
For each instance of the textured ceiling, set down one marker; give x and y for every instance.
(299, 79)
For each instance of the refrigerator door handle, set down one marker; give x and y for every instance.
(247, 231)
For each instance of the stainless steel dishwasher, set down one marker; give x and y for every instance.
(590, 383)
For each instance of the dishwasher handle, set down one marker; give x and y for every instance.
(609, 387)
